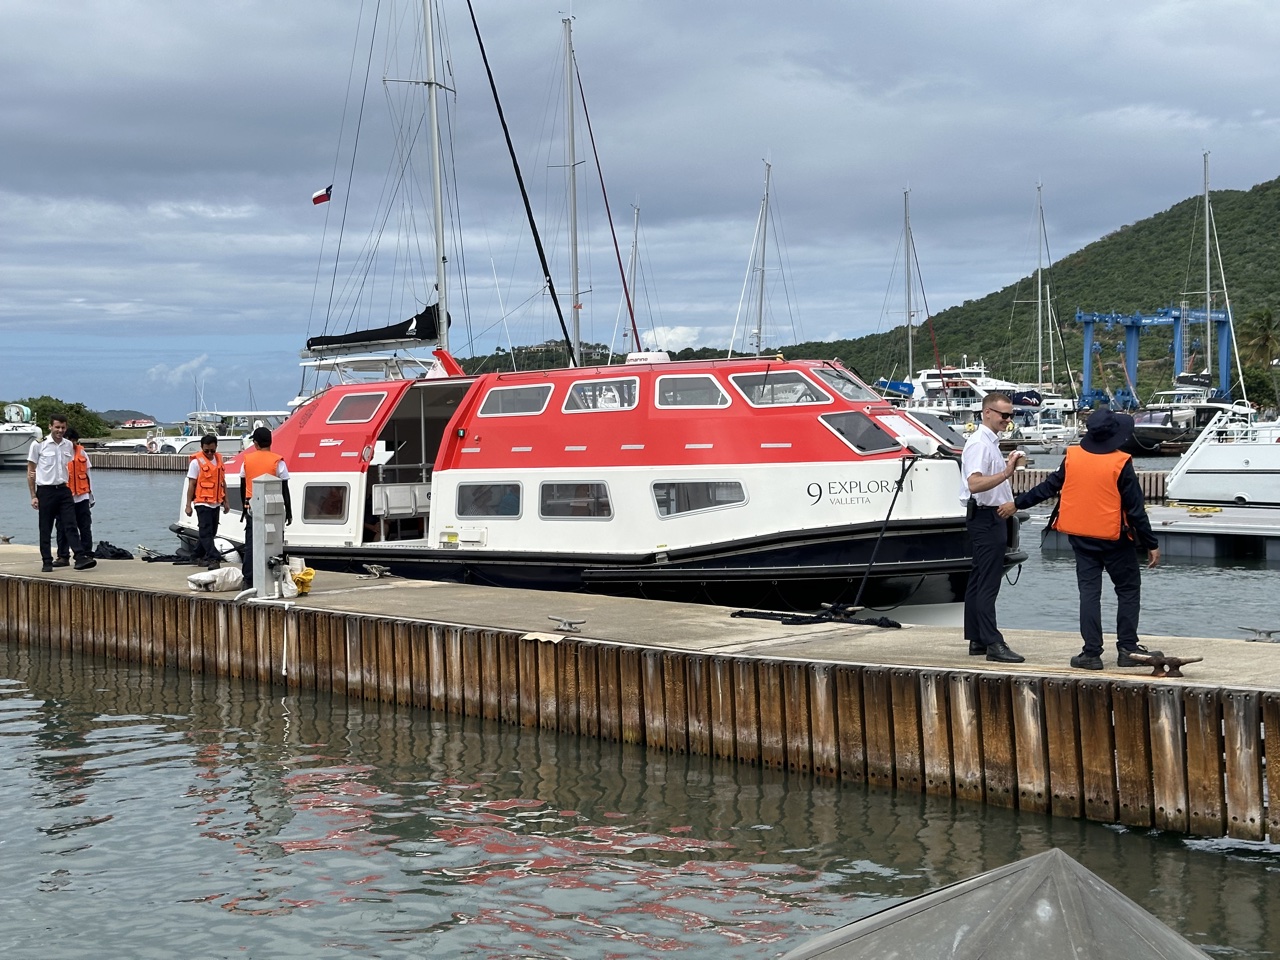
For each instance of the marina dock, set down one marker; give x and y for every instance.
(903, 709)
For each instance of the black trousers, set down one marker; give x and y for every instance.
(1119, 559)
(246, 555)
(988, 538)
(84, 524)
(55, 504)
(207, 523)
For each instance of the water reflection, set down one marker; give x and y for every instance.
(151, 805)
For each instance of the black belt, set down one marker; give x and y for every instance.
(981, 506)
(49, 486)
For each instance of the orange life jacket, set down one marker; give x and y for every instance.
(78, 472)
(1089, 505)
(256, 464)
(211, 484)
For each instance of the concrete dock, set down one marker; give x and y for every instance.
(899, 708)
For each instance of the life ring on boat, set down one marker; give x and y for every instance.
(152, 446)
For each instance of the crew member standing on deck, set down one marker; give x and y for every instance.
(1102, 511)
(80, 483)
(47, 472)
(207, 491)
(258, 462)
(988, 498)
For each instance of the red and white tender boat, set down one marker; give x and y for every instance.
(755, 482)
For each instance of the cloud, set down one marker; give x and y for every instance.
(193, 371)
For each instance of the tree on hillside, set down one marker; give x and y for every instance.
(1260, 338)
(86, 422)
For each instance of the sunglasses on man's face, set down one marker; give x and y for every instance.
(1003, 416)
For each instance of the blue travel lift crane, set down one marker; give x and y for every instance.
(1133, 326)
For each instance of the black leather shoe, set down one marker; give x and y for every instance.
(46, 568)
(1125, 660)
(62, 562)
(1000, 653)
(1085, 661)
(977, 649)
(86, 563)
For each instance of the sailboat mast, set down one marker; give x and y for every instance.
(631, 266)
(1039, 286)
(764, 235)
(437, 177)
(571, 164)
(1208, 284)
(908, 248)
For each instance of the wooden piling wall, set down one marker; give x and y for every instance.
(1188, 759)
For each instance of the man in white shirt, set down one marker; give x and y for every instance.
(985, 490)
(48, 463)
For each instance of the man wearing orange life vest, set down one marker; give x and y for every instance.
(81, 486)
(1101, 510)
(206, 492)
(256, 462)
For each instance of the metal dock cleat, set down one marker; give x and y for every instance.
(376, 571)
(1164, 666)
(1266, 636)
(565, 624)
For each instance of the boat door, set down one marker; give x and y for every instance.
(398, 501)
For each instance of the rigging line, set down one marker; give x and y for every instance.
(524, 194)
(1226, 299)
(784, 268)
(342, 125)
(928, 318)
(459, 250)
(608, 212)
(355, 149)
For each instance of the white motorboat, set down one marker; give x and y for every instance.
(1181, 414)
(231, 427)
(17, 432)
(1235, 460)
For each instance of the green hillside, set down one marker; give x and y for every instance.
(1140, 267)
(1157, 262)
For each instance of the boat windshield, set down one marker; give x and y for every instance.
(845, 385)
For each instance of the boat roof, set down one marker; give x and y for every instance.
(1047, 906)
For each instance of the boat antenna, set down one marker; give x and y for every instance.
(524, 193)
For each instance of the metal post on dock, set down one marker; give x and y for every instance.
(266, 527)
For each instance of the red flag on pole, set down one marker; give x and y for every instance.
(322, 196)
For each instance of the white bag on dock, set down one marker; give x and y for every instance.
(217, 581)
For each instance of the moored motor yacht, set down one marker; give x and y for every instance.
(1235, 461)
(754, 482)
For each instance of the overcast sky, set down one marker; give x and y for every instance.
(158, 246)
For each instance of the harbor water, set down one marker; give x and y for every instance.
(153, 814)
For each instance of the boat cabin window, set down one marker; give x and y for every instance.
(325, 502)
(777, 388)
(860, 432)
(357, 408)
(844, 384)
(516, 401)
(574, 500)
(690, 390)
(488, 499)
(621, 394)
(941, 429)
(689, 496)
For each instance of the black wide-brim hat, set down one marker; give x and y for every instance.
(1106, 432)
